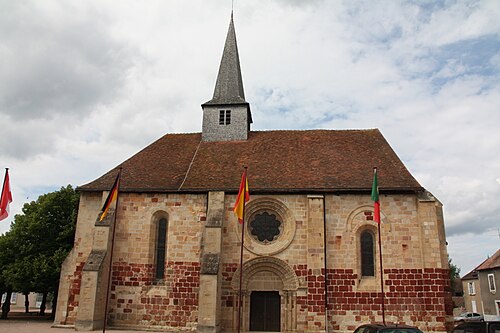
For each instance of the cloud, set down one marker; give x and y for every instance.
(89, 84)
(58, 63)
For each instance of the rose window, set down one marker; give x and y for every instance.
(265, 227)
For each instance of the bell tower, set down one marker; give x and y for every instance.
(227, 116)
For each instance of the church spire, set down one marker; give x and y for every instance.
(227, 116)
(229, 85)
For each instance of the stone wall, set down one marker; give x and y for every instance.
(316, 294)
(412, 296)
(71, 271)
(136, 298)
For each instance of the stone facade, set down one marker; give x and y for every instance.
(315, 294)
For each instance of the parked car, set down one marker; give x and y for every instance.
(478, 327)
(390, 328)
(469, 316)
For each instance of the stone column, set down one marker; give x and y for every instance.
(315, 264)
(430, 218)
(209, 307)
(94, 285)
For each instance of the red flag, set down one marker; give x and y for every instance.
(6, 197)
(239, 206)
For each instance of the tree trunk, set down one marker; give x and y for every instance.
(54, 304)
(6, 305)
(42, 306)
(26, 303)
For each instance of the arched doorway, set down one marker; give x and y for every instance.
(269, 296)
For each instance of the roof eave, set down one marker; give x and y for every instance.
(402, 190)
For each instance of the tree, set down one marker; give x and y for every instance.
(7, 252)
(40, 238)
(454, 273)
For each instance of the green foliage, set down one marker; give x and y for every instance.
(32, 252)
(454, 273)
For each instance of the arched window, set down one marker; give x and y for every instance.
(161, 244)
(367, 254)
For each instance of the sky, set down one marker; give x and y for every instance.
(86, 84)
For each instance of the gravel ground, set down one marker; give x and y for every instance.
(22, 323)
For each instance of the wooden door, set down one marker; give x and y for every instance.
(265, 311)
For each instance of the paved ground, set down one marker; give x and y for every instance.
(22, 323)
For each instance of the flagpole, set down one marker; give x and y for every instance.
(241, 250)
(381, 275)
(111, 253)
(377, 219)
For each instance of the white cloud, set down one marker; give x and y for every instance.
(88, 84)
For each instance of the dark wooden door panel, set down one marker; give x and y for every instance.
(265, 311)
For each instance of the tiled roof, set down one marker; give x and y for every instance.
(472, 275)
(278, 161)
(491, 262)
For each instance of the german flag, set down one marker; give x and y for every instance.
(111, 199)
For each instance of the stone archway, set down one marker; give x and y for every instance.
(267, 274)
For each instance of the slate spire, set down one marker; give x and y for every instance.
(229, 85)
(227, 116)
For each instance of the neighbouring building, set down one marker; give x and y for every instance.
(480, 288)
(310, 261)
(18, 300)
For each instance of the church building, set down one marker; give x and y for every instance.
(310, 251)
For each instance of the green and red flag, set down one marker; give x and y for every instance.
(243, 196)
(6, 197)
(375, 198)
(111, 199)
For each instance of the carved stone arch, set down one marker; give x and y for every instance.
(363, 215)
(283, 213)
(157, 214)
(278, 276)
(274, 265)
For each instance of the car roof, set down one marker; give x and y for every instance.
(388, 326)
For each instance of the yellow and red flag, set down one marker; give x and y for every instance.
(239, 206)
(111, 199)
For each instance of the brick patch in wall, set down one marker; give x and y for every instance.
(74, 292)
(176, 307)
(420, 295)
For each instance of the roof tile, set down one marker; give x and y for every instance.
(282, 161)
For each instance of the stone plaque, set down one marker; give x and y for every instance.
(94, 261)
(210, 264)
(214, 218)
(107, 220)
